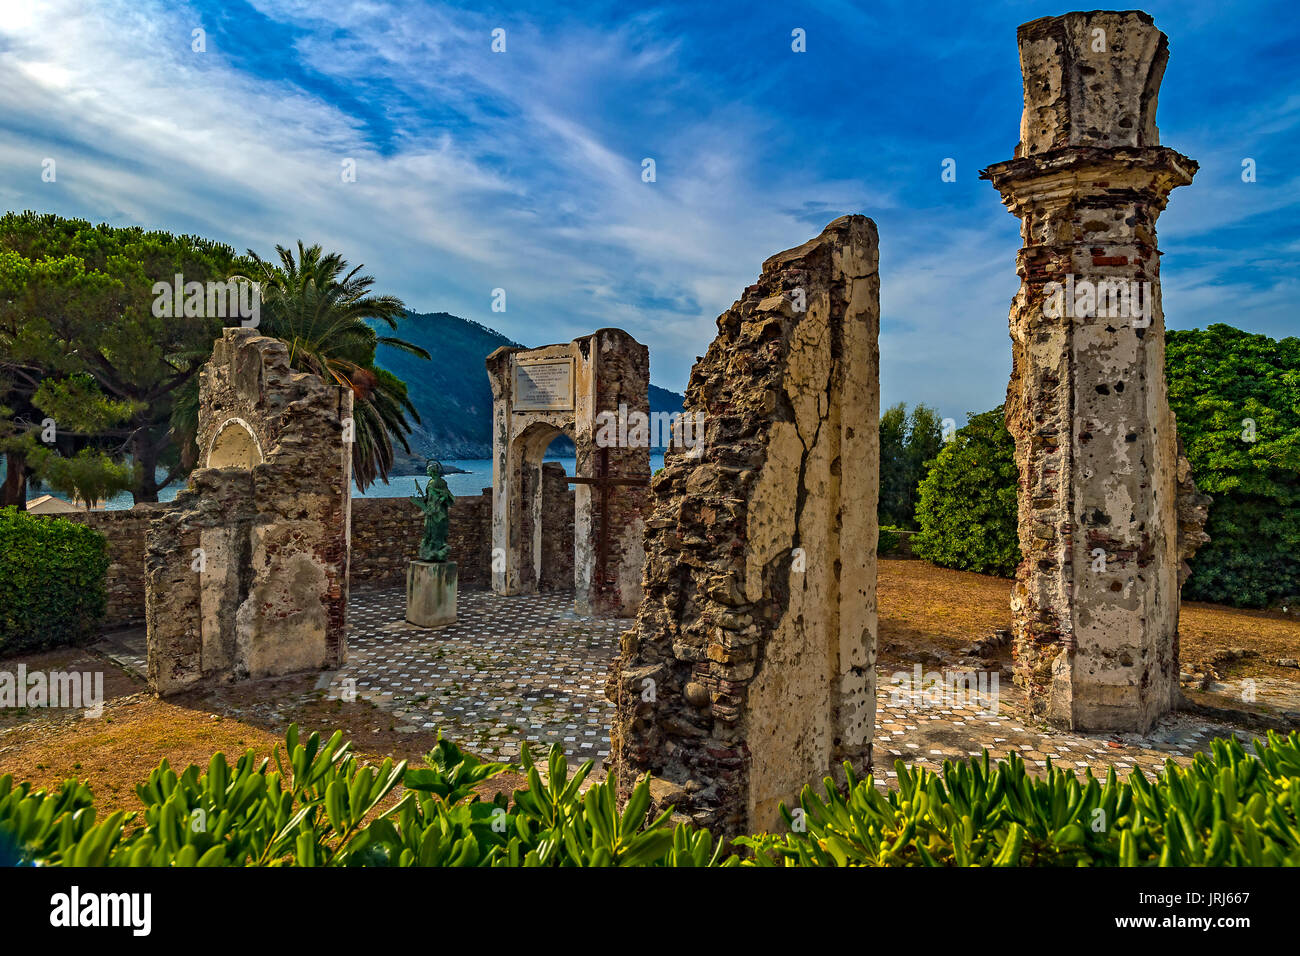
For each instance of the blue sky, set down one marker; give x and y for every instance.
(522, 170)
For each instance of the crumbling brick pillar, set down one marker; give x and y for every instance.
(1096, 597)
(750, 671)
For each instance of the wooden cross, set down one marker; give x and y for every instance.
(605, 481)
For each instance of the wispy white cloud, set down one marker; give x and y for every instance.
(522, 170)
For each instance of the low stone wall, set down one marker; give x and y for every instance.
(124, 583)
(385, 535)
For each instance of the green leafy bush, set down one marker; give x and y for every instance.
(1228, 809)
(1237, 399)
(320, 807)
(51, 581)
(967, 507)
(1236, 396)
(888, 539)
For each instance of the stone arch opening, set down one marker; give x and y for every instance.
(539, 394)
(235, 445)
(546, 509)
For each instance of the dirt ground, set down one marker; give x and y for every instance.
(932, 614)
(926, 614)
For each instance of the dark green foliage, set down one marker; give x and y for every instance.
(318, 807)
(51, 582)
(1219, 378)
(967, 507)
(908, 443)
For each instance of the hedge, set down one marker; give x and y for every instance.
(888, 539)
(51, 582)
(1236, 396)
(1237, 399)
(317, 805)
(967, 502)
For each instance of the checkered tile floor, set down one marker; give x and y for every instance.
(527, 668)
(511, 669)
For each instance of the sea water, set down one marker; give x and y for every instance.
(478, 475)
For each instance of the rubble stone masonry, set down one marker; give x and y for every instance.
(750, 671)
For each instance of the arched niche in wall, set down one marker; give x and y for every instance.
(235, 446)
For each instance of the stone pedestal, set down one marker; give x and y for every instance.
(431, 593)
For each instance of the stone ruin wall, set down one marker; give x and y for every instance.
(272, 595)
(750, 670)
(1096, 447)
(610, 369)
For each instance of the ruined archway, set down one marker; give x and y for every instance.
(565, 389)
(246, 571)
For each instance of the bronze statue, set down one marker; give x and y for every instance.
(434, 500)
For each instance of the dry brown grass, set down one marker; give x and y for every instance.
(921, 604)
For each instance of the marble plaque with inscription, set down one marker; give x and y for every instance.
(544, 385)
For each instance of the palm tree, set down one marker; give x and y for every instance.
(322, 311)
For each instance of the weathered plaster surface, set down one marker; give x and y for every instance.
(270, 593)
(750, 671)
(1096, 446)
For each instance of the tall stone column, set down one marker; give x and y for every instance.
(1096, 596)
